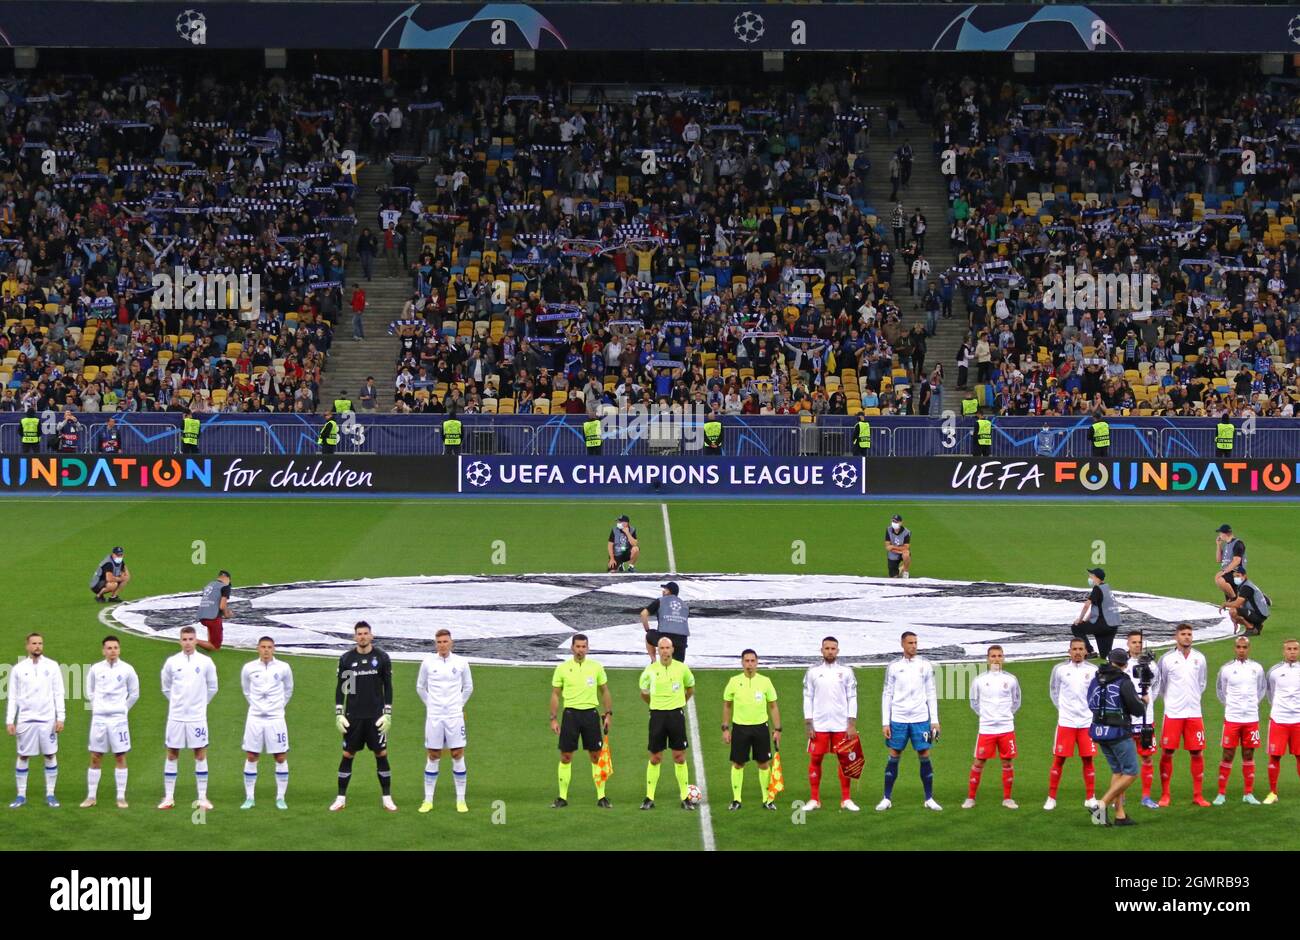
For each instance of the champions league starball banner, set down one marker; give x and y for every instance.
(313, 24)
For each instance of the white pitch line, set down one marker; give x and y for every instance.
(692, 720)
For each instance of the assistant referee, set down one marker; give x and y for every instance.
(579, 680)
(749, 696)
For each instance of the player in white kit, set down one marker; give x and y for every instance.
(1284, 714)
(112, 688)
(34, 713)
(444, 685)
(189, 682)
(1241, 686)
(1183, 675)
(995, 697)
(268, 685)
(830, 709)
(1068, 689)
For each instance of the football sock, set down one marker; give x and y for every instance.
(1054, 776)
(1008, 778)
(345, 775)
(1166, 771)
(20, 776)
(119, 777)
(385, 775)
(565, 775)
(1225, 771)
(1148, 777)
(460, 777)
(596, 779)
(51, 775)
(764, 783)
(250, 779)
(891, 775)
(281, 779)
(845, 784)
(92, 782)
(927, 777)
(683, 778)
(201, 778)
(651, 780)
(815, 776)
(975, 772)
(169, 779)
(1089, 778)
(1274, 771)
(431, 778)
(737, 782)
(1248, 774)
(1198, 772)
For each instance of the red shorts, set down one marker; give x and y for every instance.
(1280, 736)
(823, 742)
(1144, 751)
(1244, 732)
(1068, 738)
(214, 631)
(1191, 730)
(996, 745)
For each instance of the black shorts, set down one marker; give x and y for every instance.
(622, 558)
(362, 733)
(99, 586)
(581, 723)
(893, 566)
(679, 643)
(750, 739)
(667, 729)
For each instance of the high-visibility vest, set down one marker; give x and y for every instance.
(969, 406)
(190, 431)
(1223, 437)
(864, 434)
(342, 405)
(329, 434)
(1100, 434)
(451, 432)
(713, 433)
(591, 432)
(984, 432)
(31, 430)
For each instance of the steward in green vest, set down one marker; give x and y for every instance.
(862, 437)
(342, 405)
(1100, 436)
(591, 435)
(189, 434)
(983, 437)
(329, 434)
(969, 406)
(31, 426)
(1223, 438)
(713, 436)
(451, 436)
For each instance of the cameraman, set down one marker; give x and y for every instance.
(1114, 703)
(1145, 672)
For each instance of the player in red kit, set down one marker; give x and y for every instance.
(1183, 675)
(1241, 686)
(830, 707)
(1284, 714)
(1069, 692)
(995, 697)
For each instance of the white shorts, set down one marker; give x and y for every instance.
(442, 733)
(186, 735)
(266, 734)
(37, 737)
(109, 735)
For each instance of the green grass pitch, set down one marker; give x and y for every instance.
(1156, 547)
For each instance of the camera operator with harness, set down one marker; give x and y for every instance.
(1144, 670)
(1115, 703)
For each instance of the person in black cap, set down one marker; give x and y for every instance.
(624, 549)
(111, 575)
(898, 548)
(1100, 615)
(1115, 703)
(674, 616)
(1230, 552)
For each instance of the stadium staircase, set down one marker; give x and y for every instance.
(350, 361)
(927, 190)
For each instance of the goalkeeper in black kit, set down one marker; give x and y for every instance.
(363, 711)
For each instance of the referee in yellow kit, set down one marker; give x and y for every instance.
(666, 685)
(748, 697)
(579, 680)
